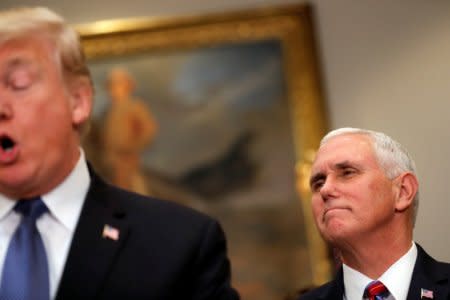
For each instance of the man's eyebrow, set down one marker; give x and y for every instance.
(338, 166)
(17, 62)
(343, 165)
(316, 177)
(348, 164)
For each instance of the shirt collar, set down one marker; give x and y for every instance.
(6, 205)
(397, 278)
(354, 283)
(65, 200)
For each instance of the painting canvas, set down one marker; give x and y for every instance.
(211, 127)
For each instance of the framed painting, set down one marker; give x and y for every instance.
(221, 113)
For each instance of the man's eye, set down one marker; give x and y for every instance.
(348, 172)
(19, 81)
(315, 186)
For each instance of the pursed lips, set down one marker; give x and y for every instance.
(334, 208)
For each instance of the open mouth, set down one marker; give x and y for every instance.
(9, 150)
(6, 143)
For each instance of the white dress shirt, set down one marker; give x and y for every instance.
(396, 279)
(57, 226)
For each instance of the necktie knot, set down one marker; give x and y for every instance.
(376, 290)
(32, 208)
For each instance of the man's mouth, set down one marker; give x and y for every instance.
(332, 209)
(6, 143)
(9, 151)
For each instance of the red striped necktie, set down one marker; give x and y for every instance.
(376, 290)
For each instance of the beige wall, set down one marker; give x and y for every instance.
(386, 66)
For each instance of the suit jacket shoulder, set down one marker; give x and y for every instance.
(333, 290)
(431, 275)
(128, 246)
(428, 274)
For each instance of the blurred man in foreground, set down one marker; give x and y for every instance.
(64, 232)
(364, 199)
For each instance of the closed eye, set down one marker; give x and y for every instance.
(19, 80)
(348, 172)
(20, 74)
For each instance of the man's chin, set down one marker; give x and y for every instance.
(14, 182)
(333, 229)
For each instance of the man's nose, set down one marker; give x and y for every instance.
(328, 188)
(6, 111)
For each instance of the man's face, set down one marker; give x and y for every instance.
(38, 115)
(351, 195)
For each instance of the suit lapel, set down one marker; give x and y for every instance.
(336, 288)
(92, 253)
(430, 275)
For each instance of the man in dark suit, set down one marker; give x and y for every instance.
(364, 200)
(64, 232)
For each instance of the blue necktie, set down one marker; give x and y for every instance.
(25, 271)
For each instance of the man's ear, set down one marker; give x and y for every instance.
(81, 94)
(407, 189)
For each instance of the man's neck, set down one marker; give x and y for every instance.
(374, 258)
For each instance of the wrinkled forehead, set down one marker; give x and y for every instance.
(29, 46)
(28, 38)
(345, 147)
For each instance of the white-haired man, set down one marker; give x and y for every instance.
(364, 200)
(65, 233)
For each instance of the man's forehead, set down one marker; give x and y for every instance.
(23, 43)
(349, 141)
(24, 52)
(344, 148)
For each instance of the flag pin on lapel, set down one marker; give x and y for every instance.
(426, 294)
(110, 232)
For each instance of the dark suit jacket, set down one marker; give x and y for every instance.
(164, 251)
(427, 274)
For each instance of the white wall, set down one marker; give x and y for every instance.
(386, 66)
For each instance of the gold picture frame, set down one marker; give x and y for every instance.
(291, 27)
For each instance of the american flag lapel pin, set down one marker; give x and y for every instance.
(110, 232)
(426, 294)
